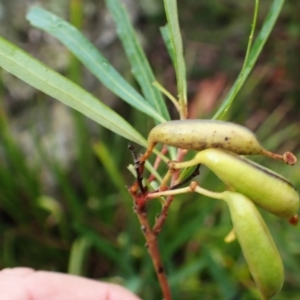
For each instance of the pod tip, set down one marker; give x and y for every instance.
(294, 220)
(289, 158)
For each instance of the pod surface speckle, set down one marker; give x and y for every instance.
(202, 134)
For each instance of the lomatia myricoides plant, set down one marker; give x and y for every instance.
(220, 147)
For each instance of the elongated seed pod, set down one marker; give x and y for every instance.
(257, 244)
(266, 188)
(202, 134)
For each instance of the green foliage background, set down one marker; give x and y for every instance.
(85, 224)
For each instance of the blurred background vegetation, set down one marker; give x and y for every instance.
(63, 199)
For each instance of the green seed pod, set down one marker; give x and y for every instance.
(264, 187)
(202, 134)
(257, 244)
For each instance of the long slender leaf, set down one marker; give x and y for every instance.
(174, 33)
(104, 156)
(78, 254)
(165, 33)
(30, 70)
(90, 56)
(140, 65)
(254, 53)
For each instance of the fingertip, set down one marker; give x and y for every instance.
(36, 285)
(16, 272)
(12, 285)
(53, 285)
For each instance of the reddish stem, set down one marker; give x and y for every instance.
(160, 220)
(164, 212)
(151, 240)
(157, 163)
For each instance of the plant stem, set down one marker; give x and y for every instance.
(160, 220)
(140, 200)
(151, 242)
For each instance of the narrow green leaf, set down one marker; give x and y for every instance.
(90, 56)
(140, 65)
(174, 32)
(109, 164)
(165, 33)
(33, 72)
(78, 255)
(254, 53)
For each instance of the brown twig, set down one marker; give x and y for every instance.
(152, 245)
(140, 200)
(150, 234)
(157, 162)
(139, 178)
(160, 220)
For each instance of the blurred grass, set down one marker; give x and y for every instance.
(97, 234)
